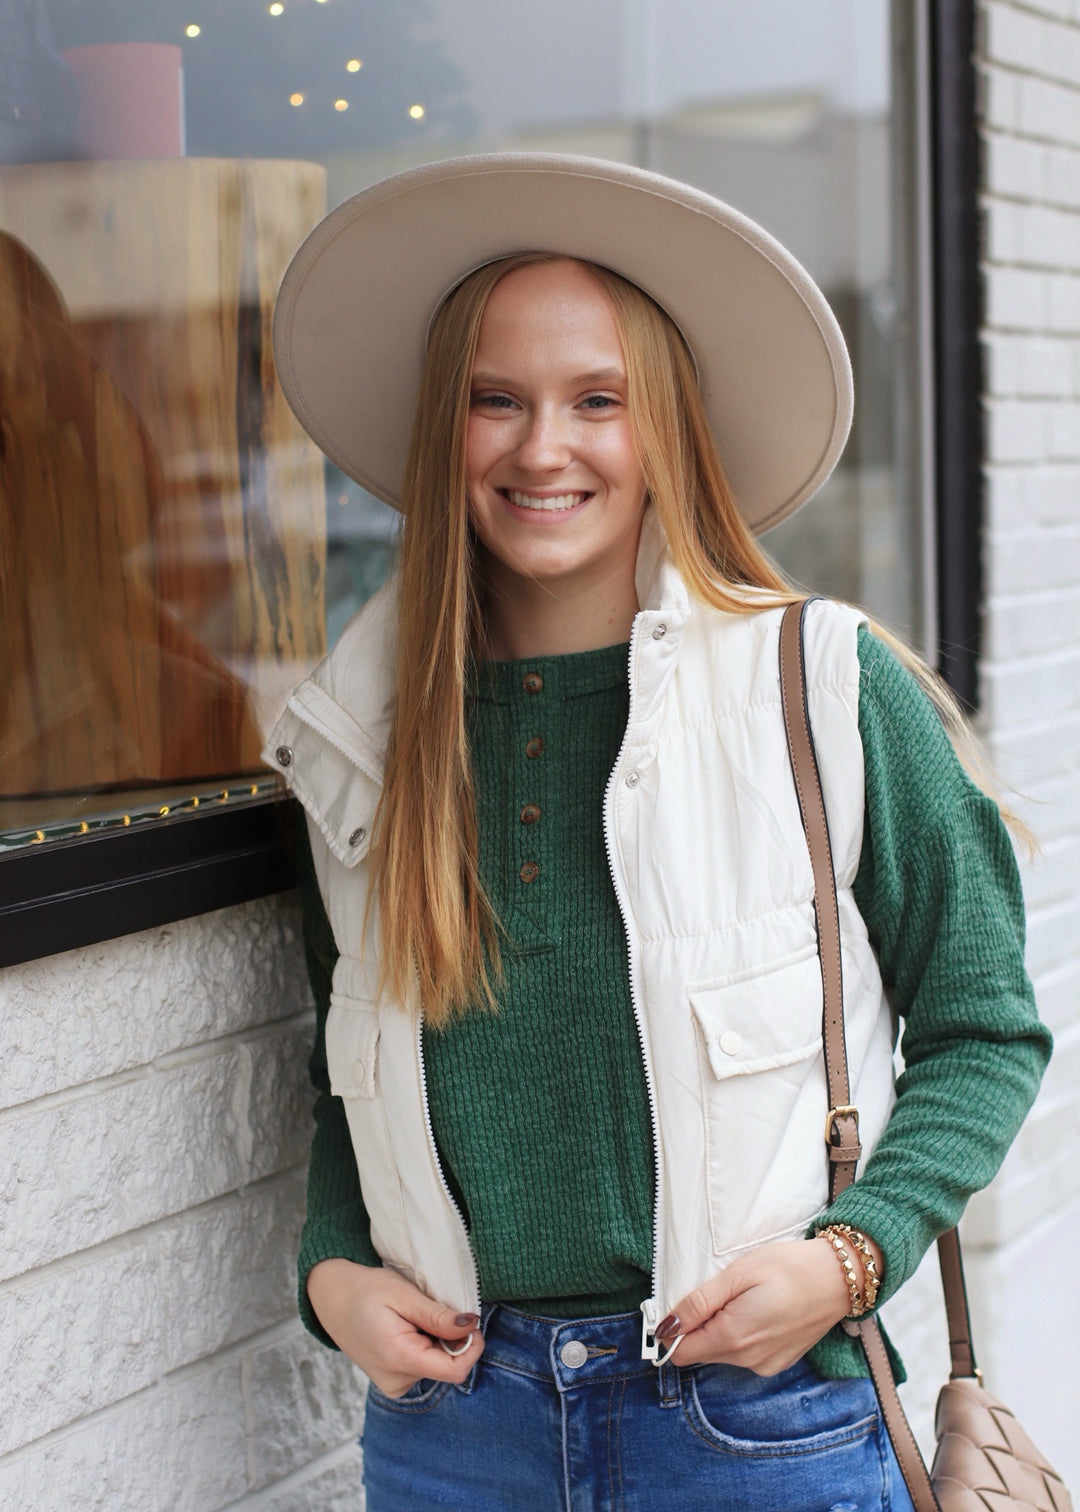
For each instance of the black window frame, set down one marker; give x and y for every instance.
(955, 171)
(77, 892)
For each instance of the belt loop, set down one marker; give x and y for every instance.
(669, 1384)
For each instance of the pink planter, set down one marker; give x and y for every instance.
(131, 100)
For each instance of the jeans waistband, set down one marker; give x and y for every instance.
(570, 1352)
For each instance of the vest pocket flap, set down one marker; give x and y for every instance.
(352, 1046)
(763, 1022)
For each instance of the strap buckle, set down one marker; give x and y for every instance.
(845, 1110)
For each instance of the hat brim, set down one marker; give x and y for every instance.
(353, 312)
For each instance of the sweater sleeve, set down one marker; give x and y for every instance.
(337, 1224)
(940, 892)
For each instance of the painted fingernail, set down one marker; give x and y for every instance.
(467, 1320)
(669, 1327)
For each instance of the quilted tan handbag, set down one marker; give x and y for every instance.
(984, 1461)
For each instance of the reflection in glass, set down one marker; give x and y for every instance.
(175, 552)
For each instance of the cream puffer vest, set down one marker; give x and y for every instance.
(713, 879)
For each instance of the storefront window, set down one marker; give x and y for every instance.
(175, 552)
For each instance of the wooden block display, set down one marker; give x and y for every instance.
(162, 514)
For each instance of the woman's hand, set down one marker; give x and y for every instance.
(389, 1327)
(767, 1308)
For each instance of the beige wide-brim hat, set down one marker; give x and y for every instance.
(356, 303)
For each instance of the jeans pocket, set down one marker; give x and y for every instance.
(421, 1396)
(796, 1412)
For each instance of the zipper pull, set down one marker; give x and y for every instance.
(650, 1318)
(650, 1344)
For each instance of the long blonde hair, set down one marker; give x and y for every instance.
(439, 937)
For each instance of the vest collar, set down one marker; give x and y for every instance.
(656, 579)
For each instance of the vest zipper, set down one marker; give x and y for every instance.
(473, 1304)
(650, 1308)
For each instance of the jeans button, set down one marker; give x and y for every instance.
(573, 1354)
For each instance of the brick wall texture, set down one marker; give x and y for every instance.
(1029, 72)
(154, 1121)
(154, 1105)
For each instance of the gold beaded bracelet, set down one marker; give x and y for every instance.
(871, 1279)
(836, 1239)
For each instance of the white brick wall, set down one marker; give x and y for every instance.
(154, 1120)
(1030, 78)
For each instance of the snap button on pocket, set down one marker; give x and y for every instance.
(352, 1045)
(633, 780)
(730, 1042)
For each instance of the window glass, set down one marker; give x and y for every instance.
(175, 551)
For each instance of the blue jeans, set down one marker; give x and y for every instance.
(561, 1416)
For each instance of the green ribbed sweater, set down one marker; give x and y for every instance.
(540, 1111)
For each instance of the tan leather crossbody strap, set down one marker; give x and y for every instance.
(961, 1349)
(909, 1456)
(842, 1124)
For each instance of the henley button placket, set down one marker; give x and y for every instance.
(532, 683)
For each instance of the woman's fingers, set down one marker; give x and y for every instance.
(415, 1356)
(698, 1306)
(435, 1318)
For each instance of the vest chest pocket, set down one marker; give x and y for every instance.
(352, 1046)
(763, 1101)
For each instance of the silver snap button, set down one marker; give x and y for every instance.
(573, 1354)
(633, 779)
(357, 835)
(730, 1042)
(284, 755)
(659, 632)
(358, 1069)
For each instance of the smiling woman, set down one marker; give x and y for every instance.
(545, 772)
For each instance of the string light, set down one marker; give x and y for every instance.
(341, 104)
(354, 65)
(417, 112)
(296, 99)
(192, 31)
